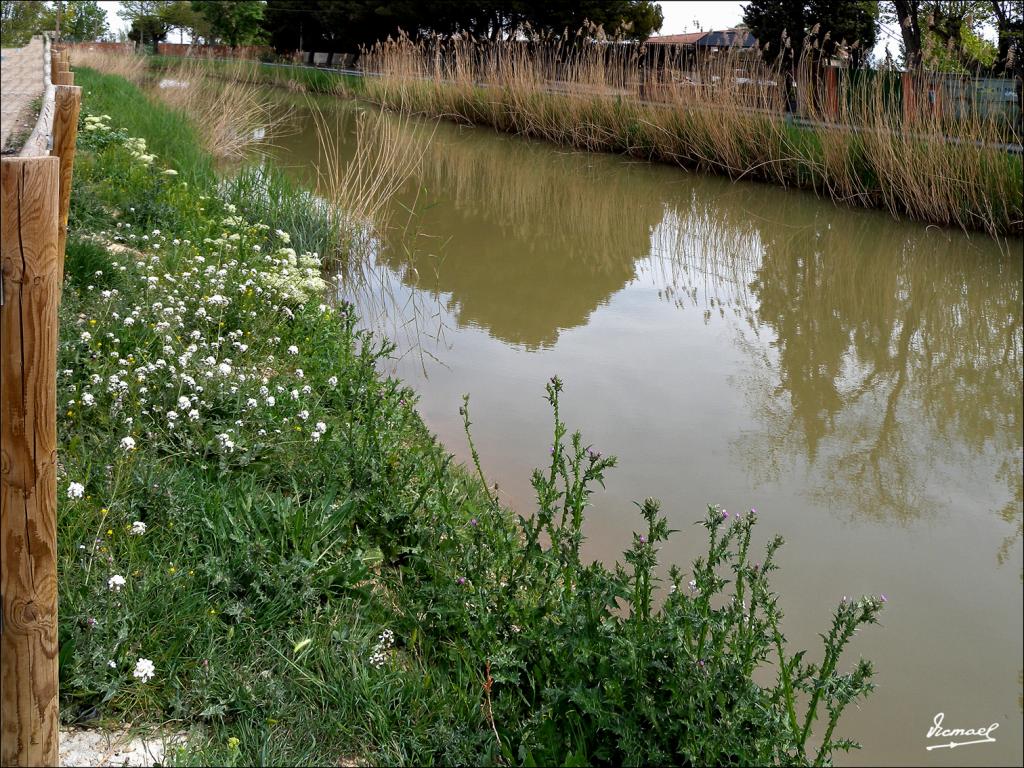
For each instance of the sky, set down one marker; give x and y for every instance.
(113, 20)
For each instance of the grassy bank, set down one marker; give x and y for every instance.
(296, 78)
(866, 150)
(262, 545)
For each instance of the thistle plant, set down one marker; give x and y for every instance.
(588, 664)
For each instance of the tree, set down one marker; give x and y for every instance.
(82, 21)
(19, 20)
(345, 25)
(786, 27)
(146, 18)
(237, 22)
(633, 20)
(841, 23)
(908, 14)
(946, 35)
(1009, 19)
(779, 26)
(180, 15)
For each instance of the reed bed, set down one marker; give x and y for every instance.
(130, 66)
(389, 150)
(295, 78)
(231, 112)
(857, 142)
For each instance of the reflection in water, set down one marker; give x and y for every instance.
(869, 369)
(891, 353)
(891, 357)
(540, 244)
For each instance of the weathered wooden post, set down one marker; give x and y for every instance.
(832, 93)
(908, 89)
(64, 78)
(29, 256)
(67, 105)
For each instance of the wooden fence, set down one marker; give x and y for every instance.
(35, 192)
(213, 51)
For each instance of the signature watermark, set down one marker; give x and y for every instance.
(981, 735)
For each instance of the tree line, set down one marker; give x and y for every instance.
(944, 35)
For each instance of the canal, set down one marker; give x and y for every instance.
(855, 378)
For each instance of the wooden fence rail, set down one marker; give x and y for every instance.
(35, 193)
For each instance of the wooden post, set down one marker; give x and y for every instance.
(64, 78)
(908, 88)
(832, 93)
(68, 103)
(29, 210)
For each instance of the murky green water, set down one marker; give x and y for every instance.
(856, 379)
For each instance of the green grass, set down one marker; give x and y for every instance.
(168, 133)
(317, 579)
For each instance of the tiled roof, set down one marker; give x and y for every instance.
(688, 38)
(720, 38)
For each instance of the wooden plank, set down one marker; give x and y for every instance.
(67, 104)
(29, 210)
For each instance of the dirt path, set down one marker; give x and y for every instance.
(21, 82)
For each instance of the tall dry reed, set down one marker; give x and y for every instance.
(389, 150)
(854, 138)
(230, 111)
(130, 66)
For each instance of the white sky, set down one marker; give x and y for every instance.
(113, 20)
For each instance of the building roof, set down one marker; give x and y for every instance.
(716, 38)
(725, 38)
(688, 38)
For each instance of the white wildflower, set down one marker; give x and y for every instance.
(144, 670)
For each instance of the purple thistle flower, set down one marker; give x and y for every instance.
(473, 522)
(643, 539)
(461, 580)
(883, 598)
(725, 513)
